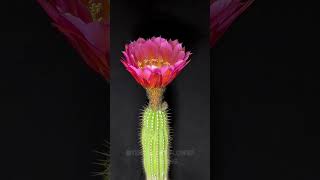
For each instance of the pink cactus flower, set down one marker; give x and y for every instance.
(86, 25)
(155, 62)
(222, 14)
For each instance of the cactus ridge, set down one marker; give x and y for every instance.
(155, 135)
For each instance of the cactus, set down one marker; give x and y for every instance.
(154, 63)
(103, 162)
(155, 137)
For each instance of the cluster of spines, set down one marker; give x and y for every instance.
(103, 162)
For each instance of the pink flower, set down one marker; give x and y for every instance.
(86, 25)
(154, 62)
(222, 14)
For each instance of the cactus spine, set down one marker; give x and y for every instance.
(155, 136)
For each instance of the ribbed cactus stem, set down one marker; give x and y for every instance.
(155, 137)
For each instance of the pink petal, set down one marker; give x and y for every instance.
(95, 32)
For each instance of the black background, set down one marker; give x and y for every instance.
(54, 109)
(266, 85)
(188, 96)
(266, 88)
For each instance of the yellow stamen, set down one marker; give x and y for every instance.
(96, 10)
(153, 62)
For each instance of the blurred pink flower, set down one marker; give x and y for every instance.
(86, 25)
(155, 62)
(222, 14)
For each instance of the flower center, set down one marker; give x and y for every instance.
(95, 10)
(153, 62)
(99, 9)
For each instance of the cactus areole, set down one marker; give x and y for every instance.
(154, 63)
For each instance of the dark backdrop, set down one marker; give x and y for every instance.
(188, 96)
(266, 88)
(54, 109)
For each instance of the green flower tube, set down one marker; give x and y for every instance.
(154, 63)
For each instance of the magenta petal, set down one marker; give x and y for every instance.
(147, 73)
(75, 7)
(175, 44)
(164, 69)
(222, 14)
(187, 56)
(127, 57)
(179, 63)
(157, 40)
(96, 59)
(166, 51)
(138, 71)
(181, 55)
(50, 9)
(95, 32)
(89, 38)
(140, 40)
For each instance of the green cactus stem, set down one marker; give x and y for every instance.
(155, 137)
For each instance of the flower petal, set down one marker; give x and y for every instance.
(168, 59)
